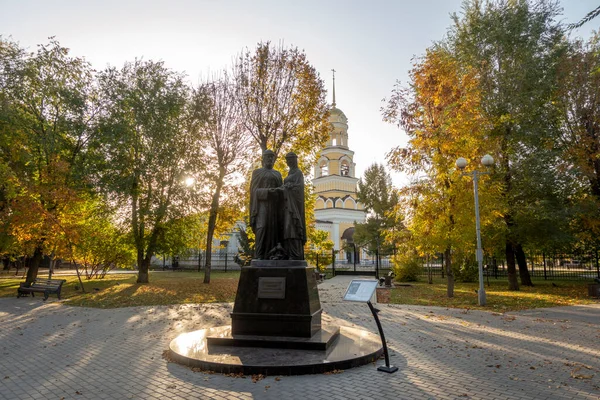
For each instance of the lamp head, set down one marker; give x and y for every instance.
(487, 160)
(461, 163)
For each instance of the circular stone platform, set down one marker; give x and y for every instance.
(353, 347)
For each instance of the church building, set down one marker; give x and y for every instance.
(335, 184)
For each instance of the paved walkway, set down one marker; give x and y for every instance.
(54, 351)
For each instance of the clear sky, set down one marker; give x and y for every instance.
(370, 43)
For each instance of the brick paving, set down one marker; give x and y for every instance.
(54, 351)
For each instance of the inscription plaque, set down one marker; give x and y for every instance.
(271, 288)
(360, 290)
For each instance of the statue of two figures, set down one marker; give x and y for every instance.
(277, 210)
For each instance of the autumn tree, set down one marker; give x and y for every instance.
(514, 46)
(440, 112)
(148, 150)
(96, 242)
(227, 149)
(489, 87)
(580, 133)
(47, 120)
(282, 100)
(283, 106)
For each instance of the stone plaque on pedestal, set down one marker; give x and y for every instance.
(277, 298)
(271, 288)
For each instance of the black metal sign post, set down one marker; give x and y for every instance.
(361, 290)
(387, 367)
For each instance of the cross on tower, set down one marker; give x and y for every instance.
(333, 104)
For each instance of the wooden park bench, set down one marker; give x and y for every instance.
(46, 286)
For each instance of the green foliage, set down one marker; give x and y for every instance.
(226, 152)
(47, 115)
(159, 155)
(320, 248)
(149, 149)
(380, 200)
(407, 267)
(282, 100)
(99, 245)
(179, 235)
(466, 269)
(580, 135)
(246, 240)
(515, 48)
(371, 236)
(375, 191)
(493, 86)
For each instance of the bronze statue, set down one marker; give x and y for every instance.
(265, 207)
(294, 222)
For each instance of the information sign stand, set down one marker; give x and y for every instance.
(361, 290)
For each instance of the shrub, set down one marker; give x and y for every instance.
(407, 267)
(466, 271)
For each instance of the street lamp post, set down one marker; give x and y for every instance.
(461, 163)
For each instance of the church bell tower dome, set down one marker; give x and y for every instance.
(335, 182)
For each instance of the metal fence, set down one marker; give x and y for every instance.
(551, 266)
(547, 266)
(220, 261)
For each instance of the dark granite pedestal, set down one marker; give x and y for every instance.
(276, 329)
(277, 298)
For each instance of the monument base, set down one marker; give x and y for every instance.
(277, 298)
(353, 348)
(321, 340)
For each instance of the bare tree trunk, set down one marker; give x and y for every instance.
(511, 269)
(34, 266)
(145, 265)
(212, 222)
(138, 236)
(429, 270)
(522, 263)
(51, 267)
(143, 272)
(449, 273)
(78, 275)
(140, 265)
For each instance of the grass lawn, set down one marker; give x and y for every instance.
(121, 290)
(499, 298)
(186, 287)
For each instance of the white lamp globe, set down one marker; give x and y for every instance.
(461, 163)
(487, 160)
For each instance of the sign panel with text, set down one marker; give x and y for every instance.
(360, 290)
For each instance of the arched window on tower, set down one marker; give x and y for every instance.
(324, 168)
(345, 169)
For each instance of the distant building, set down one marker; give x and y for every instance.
(335, 183)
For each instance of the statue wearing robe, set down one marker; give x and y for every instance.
(294, 221)
(265, 207)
